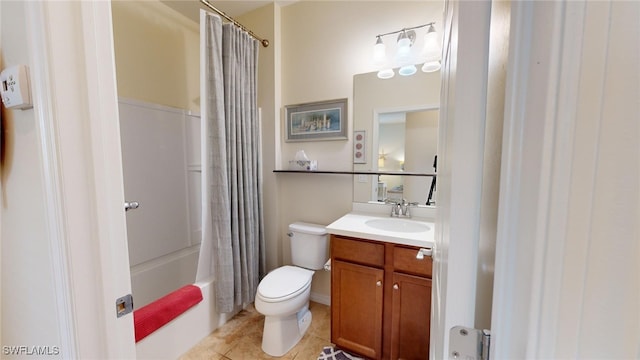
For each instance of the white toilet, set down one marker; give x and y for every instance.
(283, 295)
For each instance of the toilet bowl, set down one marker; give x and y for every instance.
(283, 298)
(283, 295)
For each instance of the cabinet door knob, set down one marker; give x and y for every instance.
(395, 287)
(379, 283)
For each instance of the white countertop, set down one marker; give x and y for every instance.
(354, 224)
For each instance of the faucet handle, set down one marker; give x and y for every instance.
(395, 207)
(406, 208)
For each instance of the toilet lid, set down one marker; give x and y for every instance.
(284, 281)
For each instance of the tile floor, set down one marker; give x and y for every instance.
(241, 338)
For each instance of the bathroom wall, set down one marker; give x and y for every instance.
(29, 311)
(324, 44)
(157, 54)
(316, 48)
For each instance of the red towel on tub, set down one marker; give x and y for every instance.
(153, 316)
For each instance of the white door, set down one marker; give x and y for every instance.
(473, 73)
(567, 280)
(74, 90)
(567, 273)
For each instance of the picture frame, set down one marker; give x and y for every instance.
(316, 121)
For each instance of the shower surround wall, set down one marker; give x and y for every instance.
(161, 164)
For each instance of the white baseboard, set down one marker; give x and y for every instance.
(320, 298)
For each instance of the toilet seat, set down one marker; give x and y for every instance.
(284, 283)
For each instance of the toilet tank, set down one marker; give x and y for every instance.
(308, 245)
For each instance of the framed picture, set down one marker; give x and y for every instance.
(325, 120)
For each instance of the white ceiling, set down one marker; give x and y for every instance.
(233, 8)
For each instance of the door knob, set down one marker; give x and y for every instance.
(378, 283)
(131, 205)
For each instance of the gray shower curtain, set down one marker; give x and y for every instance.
(232, 249)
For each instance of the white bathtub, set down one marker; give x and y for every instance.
(177, 337)
(160, 276)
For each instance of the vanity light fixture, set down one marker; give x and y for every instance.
(405, 41)
(405, 57)
(379, 52)
(431, 52)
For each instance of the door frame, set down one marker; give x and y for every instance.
(81, 146)
(534, 175)
(564, 70)
(460, 169)
(553, 45)
(75, 103)
(78, 121)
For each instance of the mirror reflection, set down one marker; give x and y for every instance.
(400, 118)
(407, 142)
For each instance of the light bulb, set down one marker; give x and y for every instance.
(431, 47)
(386, 74)
(379, 52)
(407, 70)
(431, 36)
(431, 66)
(404, 47)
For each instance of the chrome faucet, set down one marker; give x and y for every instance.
(401, 208)
(405, 208)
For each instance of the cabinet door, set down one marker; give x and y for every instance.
(411, 318)
(356, 308)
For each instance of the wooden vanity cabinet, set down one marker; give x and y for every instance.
(410, 317)
(380, 299)
(356, 317)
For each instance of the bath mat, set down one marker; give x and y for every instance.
(331, 353)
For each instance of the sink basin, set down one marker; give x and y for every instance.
(397, 225)
(416, 231)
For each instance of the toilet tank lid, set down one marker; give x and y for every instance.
(307, 228)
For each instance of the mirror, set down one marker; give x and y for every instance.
(407, 142)
(400, 119)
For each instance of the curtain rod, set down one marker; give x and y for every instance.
(264, 42)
